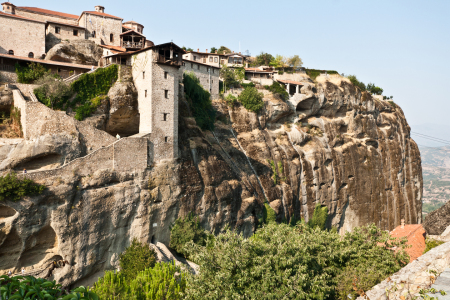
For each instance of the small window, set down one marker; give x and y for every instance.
(213, 71)
(75, 32)
(165, 116)
(111, 37)
(143, 75)
(215, 59)
(198, 67)
(212, 81)
(195, 57)
(31, 55)
(57, 29)
(11, 52)
(210, 59)
(93, 33)
(145, 93)
(192, 66)
(165, 75)
(166, 94)
(166, 139)
(207, 69)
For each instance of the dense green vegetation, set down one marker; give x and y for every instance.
(277, 89)
(430, 244)
(137, 257)
(29, 287)
(30, 73)
(200, 101)
(164, 281)
(319, 217)
(313, 73)
(89, 90)
(13, 188)
(371, 88)
(251, 99)
(185, 230)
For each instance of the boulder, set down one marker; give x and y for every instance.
(83, 52)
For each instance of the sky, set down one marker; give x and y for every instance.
(401, 46)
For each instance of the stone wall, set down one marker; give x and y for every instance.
(208, 76)
(142, 70)
(66, 33)
(9, 77)
(103, 27)
(45, 17)
(417, 275)
(22, 36)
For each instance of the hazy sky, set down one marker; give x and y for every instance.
(401, 46)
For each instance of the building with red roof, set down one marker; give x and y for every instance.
(415, 234)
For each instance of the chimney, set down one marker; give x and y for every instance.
(9, 8)
(198, 49)
(233, 51)
(206, 51)
(100, 9)
(403, 223)
(239, 52)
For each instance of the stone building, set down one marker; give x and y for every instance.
(103, 28)
(216, 60)
(208, 75)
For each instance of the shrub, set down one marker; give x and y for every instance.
(185, 230)
(137, 257)
(430, 244)
(319, 217)
(200, 101)
(30, 73)
(231, 100)
(276, 88)
(246, 85)
(13, 188)
(392, 103)
(164, 281)
(85, 110)
(374, 90)
(313, 73)
(53, 92)
(356, 82)
(251, 99)
(269, 215)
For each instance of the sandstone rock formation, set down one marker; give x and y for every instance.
(6, 99)
(331, 145)
(82, 52)
(437, 221)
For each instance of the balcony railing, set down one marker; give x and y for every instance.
(166, 60)
(8, 68)
(132, 45)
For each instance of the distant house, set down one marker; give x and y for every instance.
(260, 75)
(216, 60)
(415, 233)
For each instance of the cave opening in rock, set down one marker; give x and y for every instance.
(44, 162)
(38, 245)
(6, 212)
(306, 104)
(10, 250)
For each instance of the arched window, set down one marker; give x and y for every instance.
(31, 55)
(11, 52)
(93, 33)
(111, 37)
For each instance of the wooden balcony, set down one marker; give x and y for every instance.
(167, 60)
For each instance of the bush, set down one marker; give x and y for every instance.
(164, 281)
(13, 188)
(30, 73)
(53, 92)
(269, 215)
(246, 85)
(137, 257)
(430, 244)
(251, 99)
(313, 73)
(85, 110)
(319, 217)
(185, 230)
(374, 90)
(356, 82)
(231, 100)
(284, 262)
(276, 88)
(200, 101)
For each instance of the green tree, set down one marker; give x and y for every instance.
(30, 73)
(356, 82)
(264, 59)
(213, 49)
(52, 92)
(277, 89)
(277, 61)
(185, 230)
(270, 217)
(319, 217)
(137, 257)
(374, 90)
(295, 61)
(13, 188)
(228, 76)
(223, 50)
(251, 99)
(239, 74)
(187, 49)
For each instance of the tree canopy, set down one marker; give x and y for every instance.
(223, 50)
(264, 59)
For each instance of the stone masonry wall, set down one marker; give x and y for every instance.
(141, 70)
(9, 77)
(205, 74)
(417, 275)
(45, 17)
(103, 28)
(22, 36)
(66, 33)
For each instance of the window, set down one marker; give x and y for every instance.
(213, 71)
(192, 66)
(145, 93)
(215, 59)
(57, 29)
(11, 52)
(195, 57)
(31, 55)
(165, 116)
(93, 33)
(165, 75)
(207, 69)
(210, 59)
(143, 75)
(166, 139)
(212, 81)
(166, 94)
(75, 32)
(198, 67)
(111, 37)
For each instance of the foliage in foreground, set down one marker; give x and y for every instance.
(251, 99)
(319, 217)
(137, 257)
(185, 230)
(200, 101)
(30, 73)
(29, 287)
(13, 188)
(430, 244)
(284, 262)
(164, 281)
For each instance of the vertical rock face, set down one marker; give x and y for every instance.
(330, 145)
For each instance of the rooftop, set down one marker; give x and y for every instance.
(415, 233)
(199, 63)
(290, 82)
(47, 62)
(20, 17)
(100, 14)
(65, 24)
(48, 12)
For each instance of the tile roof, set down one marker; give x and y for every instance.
(100, 14)
(19, 17)
(8, 3)
(290, 82)
(48, 12)
(114, 48)
(416, 238)
(132, 31)
(47, 62)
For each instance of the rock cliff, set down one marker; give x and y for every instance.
(83, 52)
(331, 145)
(437, 221)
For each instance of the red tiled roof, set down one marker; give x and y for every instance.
(19, 17)
(47, 62)
(100, 14)
(416, 238)
(48, 12)
(8, 3)
(290, 81)
(114, 48)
